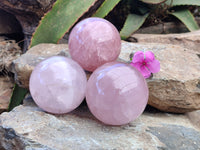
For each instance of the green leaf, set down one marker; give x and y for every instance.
(153, 1)
(183, 2)
(187, 18)
(64, 14)
(132, 23)
(105, 8)
(17, 97)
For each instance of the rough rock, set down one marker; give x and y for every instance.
(195, 117)
(6, 86)
(190, 40)
(27, 126)
(11, 141)
(176, 88)
(164, 28)
(24, 65)
(9, 51)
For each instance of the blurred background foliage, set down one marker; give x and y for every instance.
(127, 15)
(130, 15)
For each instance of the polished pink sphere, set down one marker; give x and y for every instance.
(58, 85)
(94, 42)
(116, 93)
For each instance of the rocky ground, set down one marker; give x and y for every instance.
(175, 89)
(171, 121)
(28, 127)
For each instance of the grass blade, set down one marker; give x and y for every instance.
(153, 1)
(183, 2)
(187, 18)
(105, 8)
(17, 97)
(132, 23)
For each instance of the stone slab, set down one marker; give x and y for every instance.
(28, 126)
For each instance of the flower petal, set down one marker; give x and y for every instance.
(154, 66)
(145, 72)
(136, 65)
(149, 56)
(142, 69)
(138, 57)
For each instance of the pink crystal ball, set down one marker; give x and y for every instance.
(58, 85)
(93, 42)
(116, 93)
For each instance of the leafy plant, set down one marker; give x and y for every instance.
(64, 14)
(140, 10)
(177, 8)
(187, 18)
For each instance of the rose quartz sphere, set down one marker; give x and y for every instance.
(58, 85)
(116, 93)
(93, 42)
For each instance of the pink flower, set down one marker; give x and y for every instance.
(145, 63)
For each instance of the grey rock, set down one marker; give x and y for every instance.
(9, 51)
(190, 40)
(194, 117)
(11, 141)
(176, 87)
(164, 28)
(6, 87)
(80, 130)
(177, 137)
